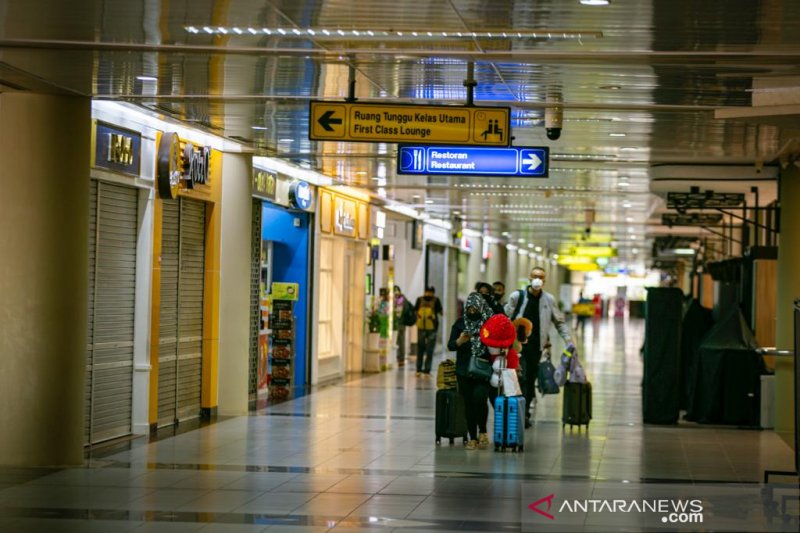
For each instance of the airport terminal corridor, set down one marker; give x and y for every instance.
(361, 455)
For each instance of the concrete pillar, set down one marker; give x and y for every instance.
(234, 285)
(788, 290)
(496, 264)
(512, 272)
(44, 215)
(474, 264)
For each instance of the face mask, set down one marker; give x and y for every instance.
(488, 298)
(537, 283)
(474, 315)
(498, 296)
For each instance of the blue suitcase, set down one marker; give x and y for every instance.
(509, 423)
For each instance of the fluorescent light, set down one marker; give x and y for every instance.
(683, 251)
(286, 140)
(623, 184)
(537, 248)
(617, 135)
(429, 201)
(629, 219)
(258, 127)
(594, 2)
(146, 78)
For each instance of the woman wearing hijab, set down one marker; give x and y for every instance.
(465, 341)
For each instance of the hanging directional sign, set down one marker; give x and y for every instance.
(379, 123)
(514, 161)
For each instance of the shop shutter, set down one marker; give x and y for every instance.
(168, 312)
(255, 297)
(190, 307)
(112, 298)
(180, 348)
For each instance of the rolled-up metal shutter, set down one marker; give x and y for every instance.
(255, 297)
(112, 301)
(190, 307)
(168, 312)
(181, 310)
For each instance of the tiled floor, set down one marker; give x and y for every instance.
(361, 456)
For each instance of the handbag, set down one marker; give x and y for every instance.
(480, 369)
(546, 382)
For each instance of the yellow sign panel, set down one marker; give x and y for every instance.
(353, 121)
(595, 251)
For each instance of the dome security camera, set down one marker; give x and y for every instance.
(553, 118)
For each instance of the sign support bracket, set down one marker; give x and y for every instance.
(351, 83)
(470, 84)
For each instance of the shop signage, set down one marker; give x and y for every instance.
(195, 165)
(190, 166)
(515, 161)
(117, 149)
(300, 195)
(169, 169)
(380, 123)
(285, 291)
(264, 184)
(344, 217)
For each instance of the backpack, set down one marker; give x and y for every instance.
(426, 317)
(409, 315)
(520, 297)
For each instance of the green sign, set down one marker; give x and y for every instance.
(285, 291)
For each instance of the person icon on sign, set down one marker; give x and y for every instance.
(493, 129)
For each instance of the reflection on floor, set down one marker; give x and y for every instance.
(362, 455)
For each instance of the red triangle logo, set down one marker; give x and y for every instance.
(535, 506)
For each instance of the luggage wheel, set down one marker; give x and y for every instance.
(465, 441)
(452, 441)
(438, 440)
(496, 447)
(521, 449)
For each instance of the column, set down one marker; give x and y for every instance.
(788, 290)
(44, 215)
(474, 264)
(234, 285)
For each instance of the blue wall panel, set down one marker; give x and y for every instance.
(290, 265)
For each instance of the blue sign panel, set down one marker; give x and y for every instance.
(300, 195)
(515, 161)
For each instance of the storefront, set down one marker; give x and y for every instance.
(118, 207)
(343, 283)
(281, 287)
(441, 272)
(185, 318)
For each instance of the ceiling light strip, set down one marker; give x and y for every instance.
(394, 35)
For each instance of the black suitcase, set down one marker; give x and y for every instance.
(577, 407)
(451, 420)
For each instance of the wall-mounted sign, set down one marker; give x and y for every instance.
(417, 234)
(195, 165)
(189, 166)
(285, 291)
(169, 169)
(300, 196)
(264, 184)
(117, 149)
(344, 217)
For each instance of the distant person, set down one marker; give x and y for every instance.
(465, 340)
(540, 308)
(428, 309)
(581, 316)
(499, 293)
(401, 309)
(486, 290)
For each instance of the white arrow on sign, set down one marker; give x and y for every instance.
(532, 160)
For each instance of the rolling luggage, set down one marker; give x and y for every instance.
(451, 421)
(509, 423)
(577, 407)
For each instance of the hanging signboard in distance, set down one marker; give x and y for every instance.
(409, 123)
(514, 161)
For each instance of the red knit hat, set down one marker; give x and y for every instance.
(498, 332)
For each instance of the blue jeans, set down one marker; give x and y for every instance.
(426, 342)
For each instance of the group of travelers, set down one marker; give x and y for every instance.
(533, 303)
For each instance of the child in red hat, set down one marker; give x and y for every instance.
(499, 334)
